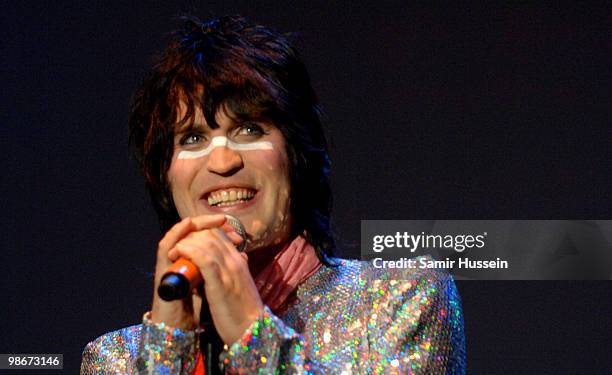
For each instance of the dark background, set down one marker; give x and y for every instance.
(435, 113)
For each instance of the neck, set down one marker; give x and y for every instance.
(262, 257)
(278, 271)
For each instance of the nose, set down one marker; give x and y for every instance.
(224, 161)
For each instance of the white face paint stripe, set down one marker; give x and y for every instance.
(223, 141)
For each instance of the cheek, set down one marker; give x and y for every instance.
(179, 176)
(272, 223)
(281, 190)
(174, 173)
(273, 170)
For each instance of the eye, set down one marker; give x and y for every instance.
(191, 139)
(250, 129)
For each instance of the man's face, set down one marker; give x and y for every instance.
(240, 168)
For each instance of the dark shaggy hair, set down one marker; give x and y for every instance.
(256, 74)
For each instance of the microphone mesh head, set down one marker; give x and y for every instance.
(234, 222)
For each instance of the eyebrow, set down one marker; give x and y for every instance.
(188, 126)
(203, 127)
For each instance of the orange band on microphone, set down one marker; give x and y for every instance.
(188, 269)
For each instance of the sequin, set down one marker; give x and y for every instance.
(350, 319)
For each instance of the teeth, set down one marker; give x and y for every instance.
(227, 197)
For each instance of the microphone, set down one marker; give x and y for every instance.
(182, 276)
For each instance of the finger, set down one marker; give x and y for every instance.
(205, 241)
(228, 228)
(231, 254)
(211, 251)
(178, 231)
(181, 230)
(173, 254)
(234, 237)
(209, 242)
(207, 257)
(215, 244)
(228, 239)
(208, 221)
(218, 233)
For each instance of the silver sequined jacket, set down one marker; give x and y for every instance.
(350, 319)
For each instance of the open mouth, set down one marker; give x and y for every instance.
(229, 196)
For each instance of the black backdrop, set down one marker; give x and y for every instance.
(435, 113)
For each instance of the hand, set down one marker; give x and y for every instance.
(231, 293)
(229, 288)
(183, 314)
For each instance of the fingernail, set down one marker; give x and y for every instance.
(237, 238)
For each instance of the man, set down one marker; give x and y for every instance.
(228, 124)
